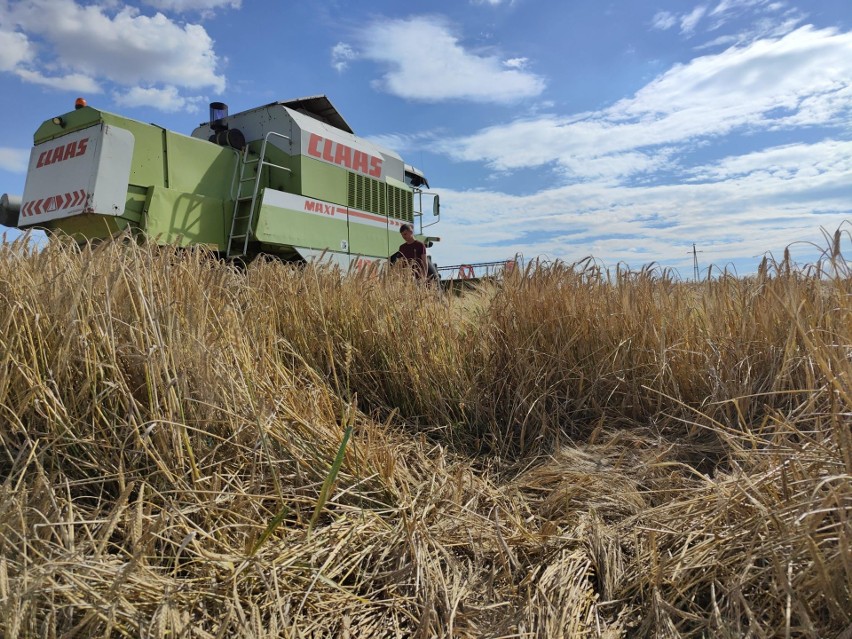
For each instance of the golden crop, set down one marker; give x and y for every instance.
(192, 450)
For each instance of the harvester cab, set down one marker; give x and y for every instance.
(288, 178)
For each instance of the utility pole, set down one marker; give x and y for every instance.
(695, 272)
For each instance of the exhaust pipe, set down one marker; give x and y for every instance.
(10, 209)
(222, 135)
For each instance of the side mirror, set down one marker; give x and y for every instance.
(436, 206)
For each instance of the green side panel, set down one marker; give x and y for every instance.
(73, 121)
(393, 240)
(324, 181)
(366, 239)
(160, 157)
(279, 178)
(281, 171)
(197, 166)
(292, 227)
(136, 198)
(148, 165)
(177, 217)
(180, 184)
(88, 226)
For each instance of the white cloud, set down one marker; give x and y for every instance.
(732, 7)
(722, 7)
(14, 160)
(736, 208)
(762, 17)
(758, 30)
(801, 79)
(427, 62)
(185, 6)
(405, 143)
(804, 166)
(742, 86)
(689, 21)
(15, 49)
(516, 63)
(664, 20)
(81, 46)
(77, 82)
(166, 99)
(341, 55)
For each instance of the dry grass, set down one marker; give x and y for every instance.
(193, 451)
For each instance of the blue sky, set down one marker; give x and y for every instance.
(624, 130)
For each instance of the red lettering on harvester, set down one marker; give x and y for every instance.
(62, 153)
(375, 167)
(360, 162)
(343, 155)
(319, 207)
(313, 145)
(326, 151)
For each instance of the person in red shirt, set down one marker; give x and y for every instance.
(414, 251)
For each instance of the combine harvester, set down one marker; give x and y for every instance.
(288, 179)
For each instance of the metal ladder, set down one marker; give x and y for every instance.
(241, 224)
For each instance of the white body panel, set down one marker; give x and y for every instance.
(318, 208)
(86, 171)
(312, 138)
(338, 252)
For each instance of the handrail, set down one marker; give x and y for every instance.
(420, 193)
(261, 162)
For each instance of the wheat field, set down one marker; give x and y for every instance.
(189, 449)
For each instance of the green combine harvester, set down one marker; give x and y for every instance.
(288, 179)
